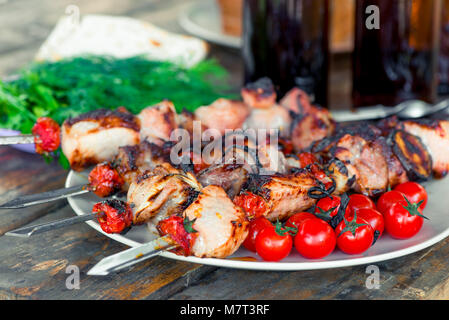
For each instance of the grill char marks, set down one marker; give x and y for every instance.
(259, 94)
(96, 136)
(412, 154)
(284, 195)
(107, 119)
(434, 134)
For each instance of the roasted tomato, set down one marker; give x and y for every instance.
(47, 135)
(180, 231)
(105, 180)
(306, 158)
(255, 227)
(414, 192)
(286, 146)
(404, 219)
(254, 205)
(114, 216)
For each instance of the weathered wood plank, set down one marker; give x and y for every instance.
(423, 275)
(35, 268)
(23, 173)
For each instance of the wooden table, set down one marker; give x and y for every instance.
(36, 268)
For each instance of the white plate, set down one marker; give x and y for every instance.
(202, 19)
(433, 231)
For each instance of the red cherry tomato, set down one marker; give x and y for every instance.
(414, 192)
(359, 201)
(306, 158)
(374, 218)
(403, 220)
(274, 243)
(315, 239)
(114, 215)
(254, 205)
(105, 180)
(388, 199)
(47, 135)
(255, 226)
(180, 231)
(327, 208)
(354, 236)
(295, 220)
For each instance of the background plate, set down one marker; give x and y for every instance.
(433, 231)
(203, 20)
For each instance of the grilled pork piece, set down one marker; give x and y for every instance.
(132, 161)
(310, 123)
(434, 134)
(158, 122)
(274, 117)
(284, 195)
(297, 101)
(310, 127)
(159, 193)
(230, 177)
(366, 161)
(95, 137)
(222, 114)
(259, 94)
(221, 226)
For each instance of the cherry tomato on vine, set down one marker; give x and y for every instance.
(315, 239)
(359, 201)
(374, 218)
(274, 243)
(255, 226)
(414, 192)
(354, 236)
(295, 220)
(404, 219)
(388, 199)
(327, 208)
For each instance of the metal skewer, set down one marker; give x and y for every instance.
(109, 264)
(131, 256)
(27, 232)
(21, 139)
(44, 197)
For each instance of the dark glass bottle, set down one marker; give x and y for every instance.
(398, 61)
(287, 41)
(443, 73)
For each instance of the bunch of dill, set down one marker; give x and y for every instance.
(73, 86)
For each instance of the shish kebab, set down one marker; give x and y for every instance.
(355, 148)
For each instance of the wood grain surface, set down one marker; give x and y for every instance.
(35, 268)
